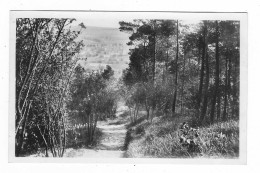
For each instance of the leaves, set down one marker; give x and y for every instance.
(45, 57)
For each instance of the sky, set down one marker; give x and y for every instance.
(111, 19)
(114, 22)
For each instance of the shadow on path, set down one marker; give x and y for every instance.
(111, 143)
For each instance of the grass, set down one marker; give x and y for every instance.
(161, 139)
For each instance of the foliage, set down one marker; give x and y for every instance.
(189, 138)
(91, 99)
(196, 65)
(45, 57)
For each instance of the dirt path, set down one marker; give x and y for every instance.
(112, 141)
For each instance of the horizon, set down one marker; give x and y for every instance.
(114, 22)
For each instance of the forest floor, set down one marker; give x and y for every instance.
(111, 143)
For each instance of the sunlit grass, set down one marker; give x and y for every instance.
(161, 139)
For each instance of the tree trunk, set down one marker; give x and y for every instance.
(19, 136)
(176, 73)
(136, 112)
(235, 93)
(205, 94)
(147, 110)
(201, 79)
(96, 117)
(229, 81)
(218, 106)
(154, 57)
(166, 65)
(216, 87)
(130, 111)
(183, 80)
(64, 136)
(224, 118)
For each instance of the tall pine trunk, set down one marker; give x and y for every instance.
(224, 118)
(201, 79)
(166, 65)
(154, 57)
(176, 73)
(218, 106)
(229, 81)
(235, 93)
(205, 94)
(154, 51)
(216, 87)
(183, 80)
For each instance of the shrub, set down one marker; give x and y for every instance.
(189, 138)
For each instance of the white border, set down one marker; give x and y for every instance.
(242, 17)
(253, 9)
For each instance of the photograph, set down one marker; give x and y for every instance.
(109, 84)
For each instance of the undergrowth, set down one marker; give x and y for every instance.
(165, 137)
(79, 138)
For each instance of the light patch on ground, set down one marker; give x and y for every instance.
(112, 141)
(111, 144)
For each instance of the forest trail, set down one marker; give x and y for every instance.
(111, 144)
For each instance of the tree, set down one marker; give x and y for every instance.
(149, 38)
(91, 98)
(230, 52)
(176, 71)
(204, 106)
(45, 48)
(108, 73)
(216, 90)
(198, 61)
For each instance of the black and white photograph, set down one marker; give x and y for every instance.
(128, 85)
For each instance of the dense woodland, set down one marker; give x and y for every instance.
(185, 74)
(176, 69)
(182, 69)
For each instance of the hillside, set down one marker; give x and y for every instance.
(104, 46)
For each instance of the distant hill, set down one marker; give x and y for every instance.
(104, 46)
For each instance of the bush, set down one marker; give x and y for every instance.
(189, 138)
(78, 137)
